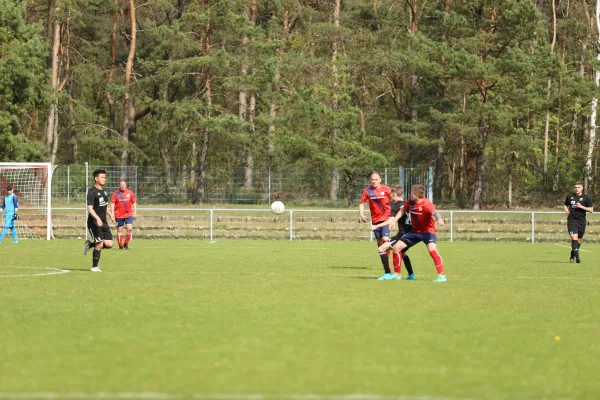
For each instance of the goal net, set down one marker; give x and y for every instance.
(32, 183)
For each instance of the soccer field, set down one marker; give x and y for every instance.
(251, 320)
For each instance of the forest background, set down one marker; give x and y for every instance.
(498, 96)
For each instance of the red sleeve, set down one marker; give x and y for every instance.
(132, 197)
(365, 197)
(406, 206)
(114, 199)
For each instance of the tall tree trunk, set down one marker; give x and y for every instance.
(462, 173)
(479, 162)
(334, 183)
(52, 120)
(248, 111)
(203, 161)
(439, 161)
(129, 104)
(548, 94)
(110, 100)
(592, 136)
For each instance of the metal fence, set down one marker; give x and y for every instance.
(161, 185)
(313, 224)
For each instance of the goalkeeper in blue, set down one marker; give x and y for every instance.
(10, 205)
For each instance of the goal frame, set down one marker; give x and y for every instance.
(50, 170)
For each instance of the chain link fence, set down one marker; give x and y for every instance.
(160, 185)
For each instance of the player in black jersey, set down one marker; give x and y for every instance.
(404, 226)
(97, 224)
(577, 205)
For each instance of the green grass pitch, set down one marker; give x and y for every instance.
(252, 320)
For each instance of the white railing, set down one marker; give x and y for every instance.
(450, 216)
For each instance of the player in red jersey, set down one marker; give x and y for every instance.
(421, 214)
(123, 206)
(379, 197)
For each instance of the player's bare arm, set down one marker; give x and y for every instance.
(94, 215)
(361, 211)
(586, 209)
(438, 217)
(134, 208)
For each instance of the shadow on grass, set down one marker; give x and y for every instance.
(348, 267)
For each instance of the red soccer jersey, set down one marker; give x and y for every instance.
(379, 202)
(123, 201)
(421, 216)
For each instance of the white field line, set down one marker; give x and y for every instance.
(53, 271)
(568, 247)
(226, 396)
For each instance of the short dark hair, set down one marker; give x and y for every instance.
(397, 190)
(98, 172)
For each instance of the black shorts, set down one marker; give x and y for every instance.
(99, 233)
(394, 239)
(576, 226)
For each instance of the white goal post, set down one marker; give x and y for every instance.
(32, 183)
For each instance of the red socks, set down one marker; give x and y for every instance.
(437, 260)
(398, 262)
(127, 238)
(120, 240)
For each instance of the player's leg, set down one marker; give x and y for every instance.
(129, 226)
(7, 219)
(96, 235)
(120, 223)
(14, 231)
(435, 256)
(580, 234)
(573, 228)
(382, 235)
(408, 264)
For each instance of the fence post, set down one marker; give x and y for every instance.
(136, 181)
(69, 183)
(211, 225)
(291, 225)
(385, 179)
(430, 184)
(401, 169)
(532, 227)
(269, 185)
(451, 226)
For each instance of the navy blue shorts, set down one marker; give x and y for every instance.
(412, 238)
(384, 231)
(123, 221)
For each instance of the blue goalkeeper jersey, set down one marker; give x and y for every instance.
(10, 203)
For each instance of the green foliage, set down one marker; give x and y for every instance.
(22, 81)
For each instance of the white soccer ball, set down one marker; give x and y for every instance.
(277, 207)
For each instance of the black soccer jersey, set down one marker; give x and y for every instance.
(571, 203)
(404, 223)
(99, 199)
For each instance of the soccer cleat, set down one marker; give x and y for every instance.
(386, 277)
(86, 247)
(411, 277)
(120, 247)
(396, 277)
(15, 242)
(441, 278)
(126, 246)
(95, 269)
(578, 260)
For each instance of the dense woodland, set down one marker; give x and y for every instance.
(499, 96)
